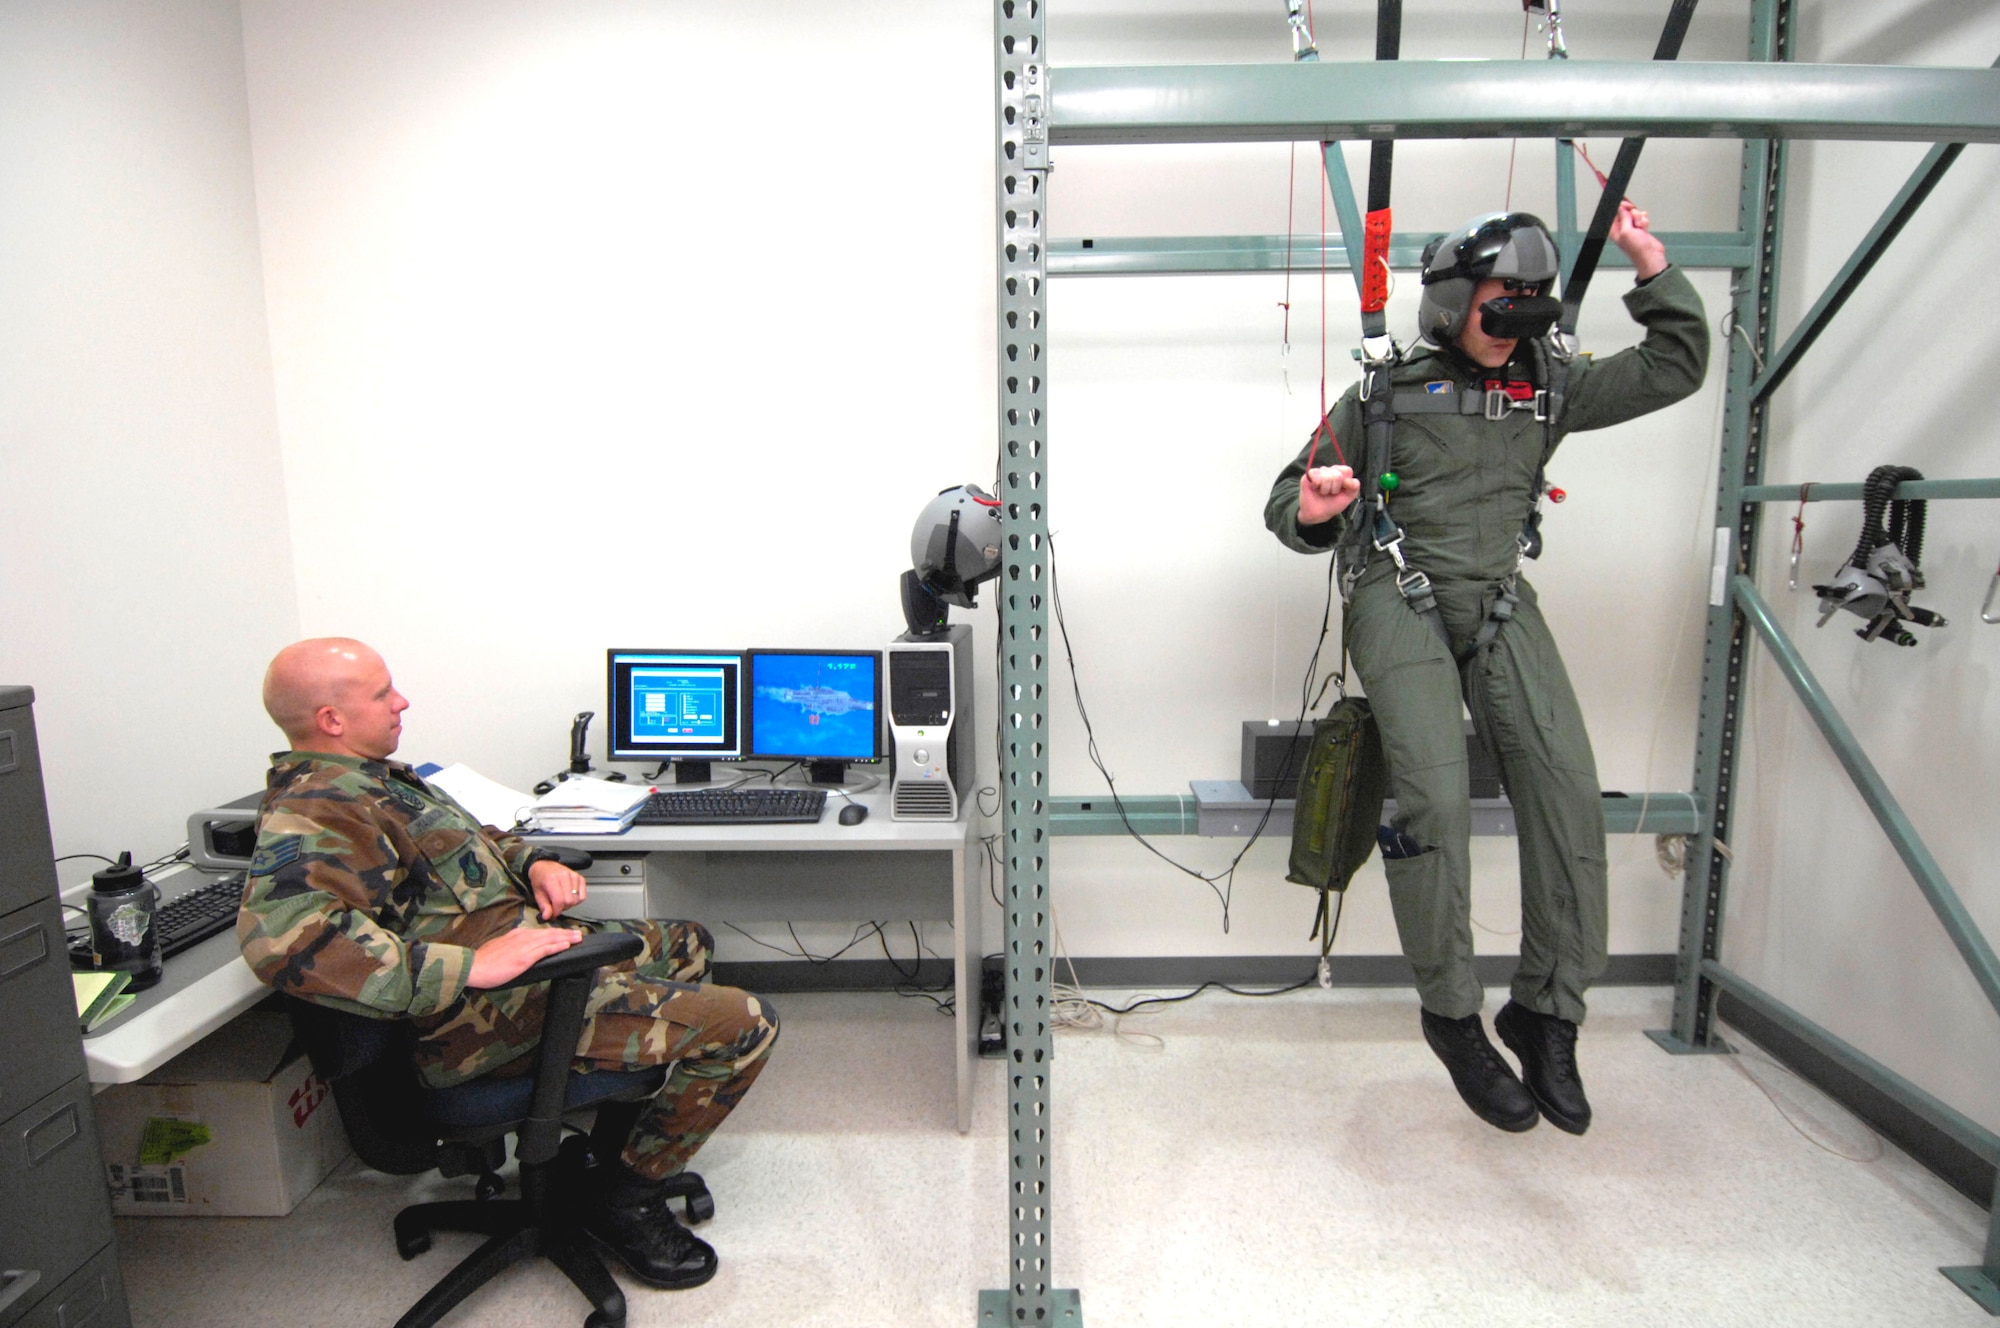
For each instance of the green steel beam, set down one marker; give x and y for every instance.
(1179, 814)
(1944, 901)
(1021, 161)
(1873, 245)
(1124, 256)
(1980, 1281)
(1851, 493)
(1940, 1116)
(1522, 99)
(1348, 210)
(1753, 297)
(1149, 814)
(1569, 239)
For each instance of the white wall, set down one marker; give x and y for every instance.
(1822, 912)
(704, 295)
(145, 554)
(552, 283)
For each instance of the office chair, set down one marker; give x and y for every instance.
(399, 1126)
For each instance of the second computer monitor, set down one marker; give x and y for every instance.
(819, 706)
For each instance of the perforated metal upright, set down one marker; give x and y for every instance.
(1022, 164)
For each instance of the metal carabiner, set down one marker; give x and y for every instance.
(1986, 608)
(1799, 534)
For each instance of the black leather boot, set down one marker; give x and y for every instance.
(631, 1219)
(1486, 1082)
(1546, 1046)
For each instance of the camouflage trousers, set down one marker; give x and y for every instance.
(655, 1010)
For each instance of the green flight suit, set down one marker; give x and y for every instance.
(1466, 486)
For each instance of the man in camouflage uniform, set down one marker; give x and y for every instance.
(1478, 414)
(373, 892)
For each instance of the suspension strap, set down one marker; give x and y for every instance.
(1369, 525)
(1614, 193)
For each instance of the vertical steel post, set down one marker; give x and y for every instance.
(1760, 212)
(1022, 168)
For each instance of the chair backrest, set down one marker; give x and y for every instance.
(369, 1066)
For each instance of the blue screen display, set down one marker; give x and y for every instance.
(816, 706)
(674, 703)
(677, 702)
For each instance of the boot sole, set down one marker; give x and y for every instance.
(1566, 1123)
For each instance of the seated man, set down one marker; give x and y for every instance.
(372, 892)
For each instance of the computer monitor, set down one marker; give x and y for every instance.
(683, 706)
(823, 707)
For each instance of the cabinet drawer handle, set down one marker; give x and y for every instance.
(77, 1311)
(16, 1283)
(22, 951)
(52, 1134)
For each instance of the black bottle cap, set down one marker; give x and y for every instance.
(121, 875)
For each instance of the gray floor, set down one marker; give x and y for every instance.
(1296, 1160)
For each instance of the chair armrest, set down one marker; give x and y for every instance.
(594, 951)
(569, 974)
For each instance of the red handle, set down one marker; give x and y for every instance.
(1375, 257)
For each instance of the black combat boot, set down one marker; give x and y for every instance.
(1483, 1079)
(632, 1220)
(1546, 1046)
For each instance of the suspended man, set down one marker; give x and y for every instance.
(1437, 614)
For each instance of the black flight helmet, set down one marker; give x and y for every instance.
(1514, 246)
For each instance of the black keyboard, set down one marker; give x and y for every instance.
(737, 806)
(192, 918)
(183, 922)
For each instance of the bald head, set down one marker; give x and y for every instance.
(334, 694)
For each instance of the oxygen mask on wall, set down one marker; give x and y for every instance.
(1884, 570)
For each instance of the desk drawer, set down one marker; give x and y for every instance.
(41, 1047)
(54, 1210)
(27, 862)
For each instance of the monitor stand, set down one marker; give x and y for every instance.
(827, 772)
(692, 772)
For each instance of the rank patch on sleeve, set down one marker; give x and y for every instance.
(273, 854)
(1437, 389)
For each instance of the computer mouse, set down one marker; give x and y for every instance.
(853, 814)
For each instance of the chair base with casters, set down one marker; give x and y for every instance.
(399, 1126)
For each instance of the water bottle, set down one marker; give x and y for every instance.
(124, 910)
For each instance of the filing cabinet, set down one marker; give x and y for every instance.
(58, 1264)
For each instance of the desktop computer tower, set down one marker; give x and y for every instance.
(929, 694)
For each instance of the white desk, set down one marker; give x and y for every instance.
(826, 872)
(204, 987)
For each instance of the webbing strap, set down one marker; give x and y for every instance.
(1614, 187)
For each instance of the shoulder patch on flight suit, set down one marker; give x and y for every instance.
(1437, 388)
(275, 853)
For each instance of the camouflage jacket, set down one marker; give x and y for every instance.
(369, 891)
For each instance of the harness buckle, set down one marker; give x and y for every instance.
(1541, 405)
(1498, 404)
(1415, 587)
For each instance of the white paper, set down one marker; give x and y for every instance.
(591, 797)
(490, 802)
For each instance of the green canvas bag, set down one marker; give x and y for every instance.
(1340, 795)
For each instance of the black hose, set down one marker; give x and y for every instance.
(1906, 516)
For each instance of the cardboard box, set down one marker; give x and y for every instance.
(232, 1127)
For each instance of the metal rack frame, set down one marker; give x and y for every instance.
(1767, 101)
